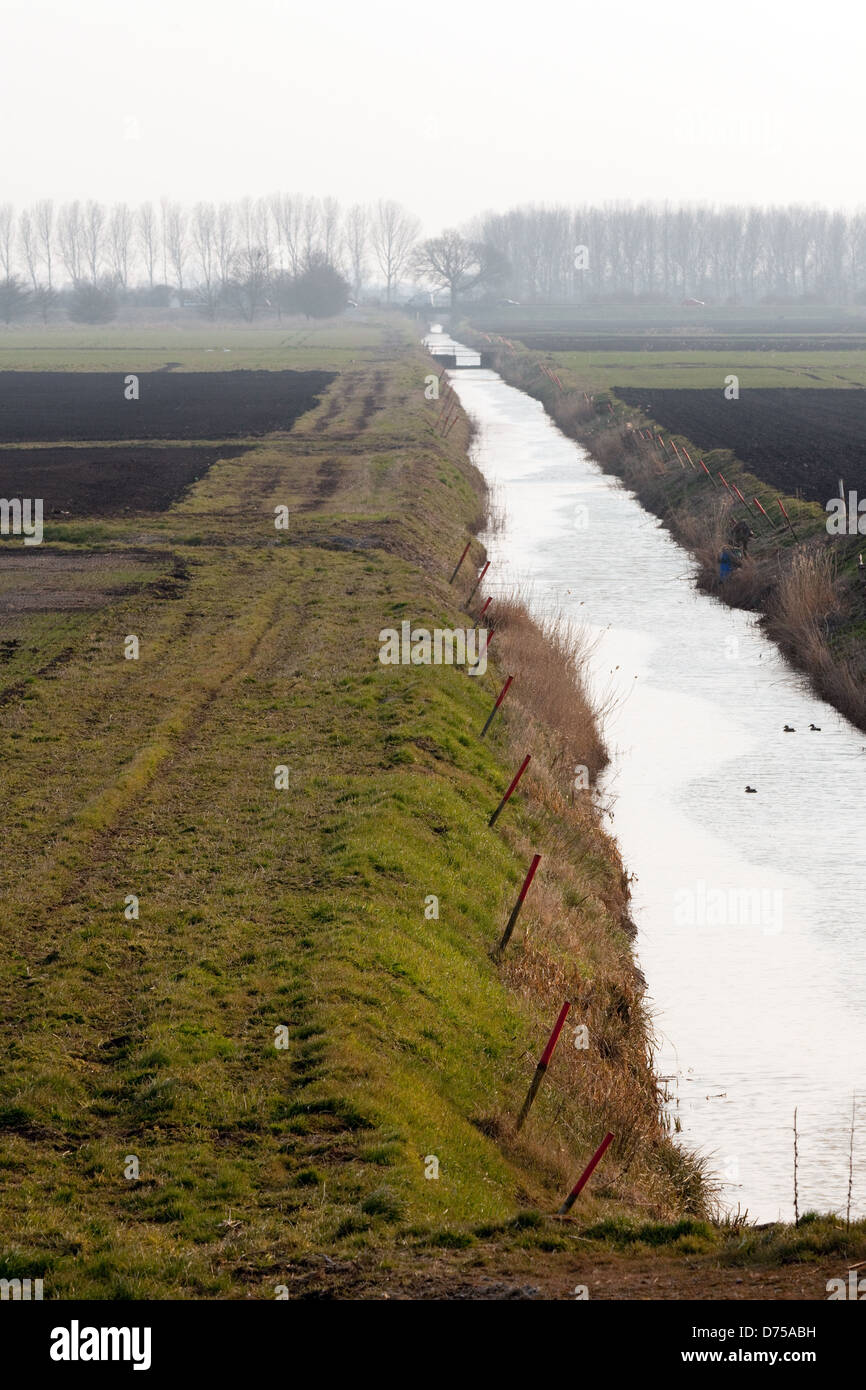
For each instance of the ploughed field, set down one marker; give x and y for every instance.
(185, 405)
(792, 438)
(110, 480)
(687, 342)
(101, 479)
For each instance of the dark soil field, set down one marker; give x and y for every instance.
(799, 438)
(629, 328)
(684, 342)
(110, 481)
(184, 405)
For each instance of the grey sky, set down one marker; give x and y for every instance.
(450, 109)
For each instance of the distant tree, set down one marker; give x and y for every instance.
(330, 229)
(311, 219)
(7, 238)
(249, 287)
(69, 237)
(147, 238)
(176, 244)
(455, 263)
(91, 303)
(282, 293)
(120, 229)
(287, 212)
(321, 291)
(356, 240)
(226, 242)
(44, 300)
(29, 250)
(44, 215)
(393, 234)
(14, 298)
(93, 237)
(203, 233)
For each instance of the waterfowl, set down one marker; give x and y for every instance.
(788, 730)
(751, 789)
(816, 727)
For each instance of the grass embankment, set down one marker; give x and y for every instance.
(152, 1040)
(805, 584)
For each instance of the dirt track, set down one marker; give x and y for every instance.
(520, 1276)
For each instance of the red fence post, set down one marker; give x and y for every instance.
(787, 518)
(460, 561)
(477, 582)
(544, 1063)
(584, 1177)
(523, 766)
(501, 696)
(515, 911)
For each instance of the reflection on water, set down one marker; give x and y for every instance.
(751, 929)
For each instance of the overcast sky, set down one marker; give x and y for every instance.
(451, 109)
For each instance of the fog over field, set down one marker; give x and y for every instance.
(450, 114)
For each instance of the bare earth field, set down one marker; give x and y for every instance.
(106, 481)
(189, 405)
(795, 439)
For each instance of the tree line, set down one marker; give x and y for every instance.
(730, 254)
(245, 255)
(293, 253)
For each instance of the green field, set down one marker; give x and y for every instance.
(604, 371)
(296, 343)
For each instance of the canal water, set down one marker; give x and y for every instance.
(750, 907)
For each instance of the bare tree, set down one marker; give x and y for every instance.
(287, 210)
(7, 238)
(44, 217)
(226, 241)
(93, 238)
(329, 242)
(146, 226)
(27, 239)
(120, 241)
(393, 234)
(204, 239)
(252, 269)
(454, 262)
(176, 240)
(355, 239)
(310, 227)
(70, 240)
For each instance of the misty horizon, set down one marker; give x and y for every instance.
(669, 104)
